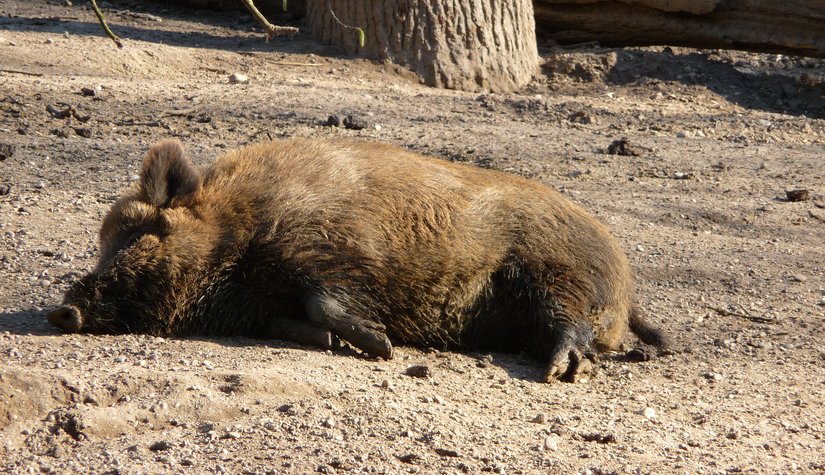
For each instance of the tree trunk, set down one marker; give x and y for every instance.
(470, 45)
(791, 27)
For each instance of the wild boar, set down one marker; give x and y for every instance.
(316, 240)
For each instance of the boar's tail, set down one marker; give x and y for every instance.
(645, 331)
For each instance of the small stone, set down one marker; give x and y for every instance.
(238, 78)
(550, 443)
(6, 150)
(649, 413)
(600, 438)
(419, 371)
(798, 278)
(798, 195)
(233, 435)
(160, 445)
(329, 423)
(5, 189)
(355, 123)
(485, 361)
(120, 359)
(639, 354)
(385, 384)
(377, 127)
(623, 146)
(332, 121)
(539, 419)
(711, 376)
(84, 132)
(683, 134)
(88, 91)
(409, 458)
(446, 452)
(49, 41)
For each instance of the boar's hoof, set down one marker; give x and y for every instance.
(304, 333)
(67, 318)
(367, 336)
(570, 365)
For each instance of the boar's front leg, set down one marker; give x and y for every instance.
(325, 311)
(302, 332)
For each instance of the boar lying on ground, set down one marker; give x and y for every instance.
(315, 240)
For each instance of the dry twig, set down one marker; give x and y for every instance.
(728, 313)
(17, 71)
(271, 30)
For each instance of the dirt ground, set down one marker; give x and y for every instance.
(727, 264)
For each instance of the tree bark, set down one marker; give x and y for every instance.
(790, 27)
(469, 45)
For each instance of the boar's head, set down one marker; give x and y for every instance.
(153, 245)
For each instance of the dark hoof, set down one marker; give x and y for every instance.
(640, 354)
(571, 367)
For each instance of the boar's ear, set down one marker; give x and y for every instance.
(169, 178)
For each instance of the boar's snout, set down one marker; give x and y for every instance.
(67, 318)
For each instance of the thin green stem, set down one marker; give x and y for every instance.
(361, 34)
(102, 20)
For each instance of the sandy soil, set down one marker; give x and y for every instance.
(726, 263)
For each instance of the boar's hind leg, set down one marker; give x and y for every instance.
(302, 332)
(569, 357)
(325, 311)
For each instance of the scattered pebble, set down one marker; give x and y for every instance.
(332, 121)
(238, 78)
(84, 132)
(160, 445)
(649, 413)
(355, 123)
(639, 354)
(88, 91)
(409, 458)
(61, 133)
(484, 361)
(711, 376)
(551, 443)
(446, 452)
(798, 195)
(599, 438)
(539, 419)
(6, 150)
(623, 147)
(683, 134)
(419, 371)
